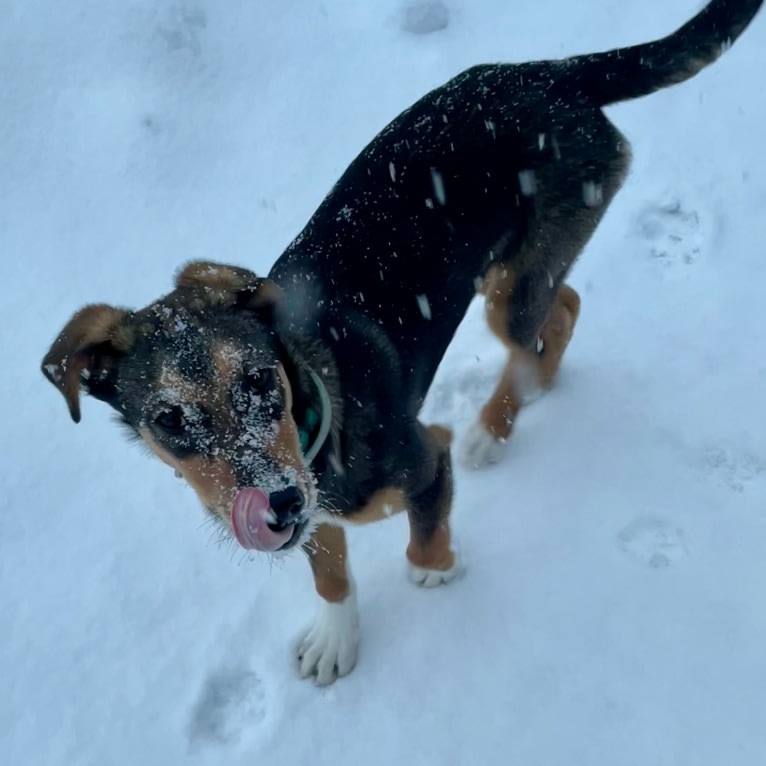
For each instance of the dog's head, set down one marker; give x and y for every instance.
(199, 376)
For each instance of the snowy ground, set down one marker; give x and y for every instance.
(612, 610)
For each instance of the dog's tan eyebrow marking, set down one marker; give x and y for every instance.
(174, 386)
(227, 361)
(209, 370)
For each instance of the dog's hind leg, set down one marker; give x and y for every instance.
(329, 648)
(528, 307)
(556, 334)
(525, 372)
(430, 553)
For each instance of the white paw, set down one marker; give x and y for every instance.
(431, 578)
(330, 647)
(480, 448)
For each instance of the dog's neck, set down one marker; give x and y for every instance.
(316, 407)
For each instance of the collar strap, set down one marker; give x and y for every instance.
(321, 415)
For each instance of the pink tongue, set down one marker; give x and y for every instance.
(250, 515)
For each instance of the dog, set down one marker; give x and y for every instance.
(290, 402)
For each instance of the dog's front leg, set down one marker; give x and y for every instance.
(329, 648)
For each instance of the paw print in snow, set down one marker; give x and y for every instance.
(420, 17)
(652, 541)
(232, 702)
(735, 470)
(181, 31)
(672, 232)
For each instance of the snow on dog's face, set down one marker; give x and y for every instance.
(199, 377)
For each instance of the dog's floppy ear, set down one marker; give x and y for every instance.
(231, 285)
(85, 352)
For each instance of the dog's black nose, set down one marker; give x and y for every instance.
(287, 505)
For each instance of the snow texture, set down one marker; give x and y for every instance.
(611, 609)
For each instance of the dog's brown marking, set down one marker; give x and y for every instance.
(211, 478)
(428, 513)
(85, 343)
(227, 362)
(284, 447)
(436, 553)
(442, 435)
(556, 334)
(171, 380)
(502, 407)
(382, 504)
(506, 400)
(212, 396)
(497, 288)
(327, 554)
(523, 366)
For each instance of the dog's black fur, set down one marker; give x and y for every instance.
(390, 259)
(505, 165)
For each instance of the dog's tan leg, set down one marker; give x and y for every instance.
(524, 289)
(430, 552)
(329, 648)
(525, 371)
(328, 557)
(556, 334)
(500, 410)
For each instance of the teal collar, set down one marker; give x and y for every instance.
(322, 415)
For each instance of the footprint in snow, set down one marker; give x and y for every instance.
(735, 470)
(182, 29)
(421, 17)
(462, 394)
(232, 701)
(652, 541)
(672, 232)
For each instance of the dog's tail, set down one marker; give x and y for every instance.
(625, 73)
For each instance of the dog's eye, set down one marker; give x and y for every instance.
(260, 381)
(172, 420)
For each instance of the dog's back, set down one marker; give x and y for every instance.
(506, 163)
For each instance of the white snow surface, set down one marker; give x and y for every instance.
(611, 609)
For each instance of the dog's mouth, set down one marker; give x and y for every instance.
(256, 526)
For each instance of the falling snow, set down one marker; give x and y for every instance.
(438, 185)
(527, 182)
(592, 193)
(424, 306)
(131, 635)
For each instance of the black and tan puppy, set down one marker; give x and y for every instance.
(290, 403)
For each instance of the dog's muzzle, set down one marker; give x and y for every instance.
(268, 523)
